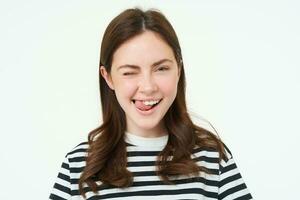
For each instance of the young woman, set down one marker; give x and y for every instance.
(147, 146)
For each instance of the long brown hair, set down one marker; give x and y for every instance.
(106, 160)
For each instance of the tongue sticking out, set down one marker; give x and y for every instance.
(140, 105)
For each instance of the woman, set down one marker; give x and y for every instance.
(147, 146)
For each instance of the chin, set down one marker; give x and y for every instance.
(147, 125)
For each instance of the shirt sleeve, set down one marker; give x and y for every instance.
(62, 187)
(231, 185)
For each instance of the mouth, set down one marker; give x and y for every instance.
(146, 105)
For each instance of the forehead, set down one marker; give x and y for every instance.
(143, 50)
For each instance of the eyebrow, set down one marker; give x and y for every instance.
(137, 67)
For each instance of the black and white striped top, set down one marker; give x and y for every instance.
(224, 182)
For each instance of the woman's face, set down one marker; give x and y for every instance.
(144, 72)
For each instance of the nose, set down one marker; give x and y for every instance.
(147, 84)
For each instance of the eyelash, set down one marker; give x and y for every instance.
(128, 73)
(159, 69)
(164, 68)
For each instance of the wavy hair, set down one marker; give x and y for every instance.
(107, 157)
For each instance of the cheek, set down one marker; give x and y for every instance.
(169, 87)
(125, 88)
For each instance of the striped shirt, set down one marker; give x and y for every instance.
(223, 182)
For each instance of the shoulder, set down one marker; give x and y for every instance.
(210, 134)
(212, 154)
(228, 161)
(228, 153)
(80, 150)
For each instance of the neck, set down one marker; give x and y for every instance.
(155, 142)
(147, 129)
(148, 133)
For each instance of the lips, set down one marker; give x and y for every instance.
(140, 104)
(142, 100)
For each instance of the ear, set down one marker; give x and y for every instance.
(107, 77)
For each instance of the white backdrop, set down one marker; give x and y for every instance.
(243, 75)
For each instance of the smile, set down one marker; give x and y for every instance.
(148, 102)
(146, 106)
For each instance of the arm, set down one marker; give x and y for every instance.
(231, 185)
(62, 187)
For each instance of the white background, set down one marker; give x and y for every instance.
(243, 75)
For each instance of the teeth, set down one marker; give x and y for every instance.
(150, 103)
